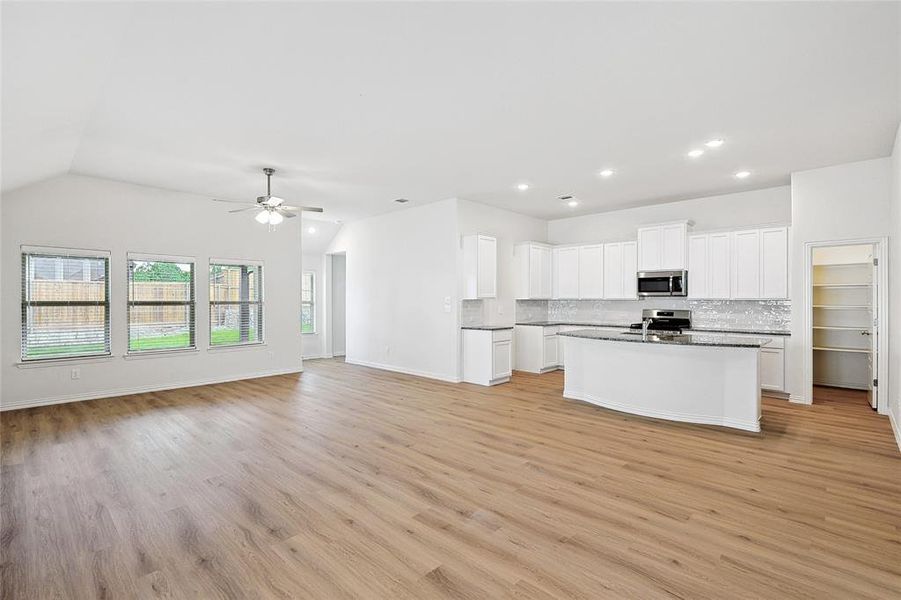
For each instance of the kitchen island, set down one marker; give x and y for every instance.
(695, 378)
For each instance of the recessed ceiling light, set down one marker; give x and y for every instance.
(695, 153)
(572, 203)
(401, 200)
(606, 173)
(715, 143)
(522, 186)
(743, 174)
(311, 230)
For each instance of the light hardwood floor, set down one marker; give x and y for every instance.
(347, 482)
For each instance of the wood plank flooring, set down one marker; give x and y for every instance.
(348, 482)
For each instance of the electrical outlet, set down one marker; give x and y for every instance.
(76, 373)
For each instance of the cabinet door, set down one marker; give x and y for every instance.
(591, 272)
(566, 272)
(746, 264)
(774, 262)
(501, 359)
(544, 281)
(613, 270)
(672, 254)
(630, 270)
(550, 351)
(487, 257)
(719, 265)
(697, 266)
(650, 246)
(772, 369)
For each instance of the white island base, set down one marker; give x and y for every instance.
(710, 385)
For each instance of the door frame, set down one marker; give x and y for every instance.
(880, 253)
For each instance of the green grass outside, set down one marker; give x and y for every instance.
(220, 337)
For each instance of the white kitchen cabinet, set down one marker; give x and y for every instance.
(620, 269)
(533, 271)
(698, 261)
(487, 356)
(479, 267)
(774, 262)
(565, 272)
(591, 272)
(709, 265)
(772, 369)
(535, 348)
(719, 265)
(746, 264)
(662, 247)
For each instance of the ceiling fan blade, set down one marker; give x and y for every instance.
(285, 213)
(232, 201)
(237, 210)
(303, 208)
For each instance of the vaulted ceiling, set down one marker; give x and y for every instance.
(359, 104)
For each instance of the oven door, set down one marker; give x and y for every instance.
(655, 284)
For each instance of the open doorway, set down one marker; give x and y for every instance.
(338, 303)
(845, 299)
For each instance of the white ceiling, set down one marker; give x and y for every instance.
(358, 104)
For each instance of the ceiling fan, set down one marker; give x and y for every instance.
(271, 210)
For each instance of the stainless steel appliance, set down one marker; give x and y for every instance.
(658, 319)
(662, 283)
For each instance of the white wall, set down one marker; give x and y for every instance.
(728, 211)
(338, 304)
(84, 212)
(313, 344)
(508, 228)
(401, 267)
(895, 291)
(844, 202)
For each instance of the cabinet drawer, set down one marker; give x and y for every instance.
(502, 335)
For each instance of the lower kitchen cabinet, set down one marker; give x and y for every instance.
(487, 356)
(536, 348)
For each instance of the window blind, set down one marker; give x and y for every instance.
(65, 304)
(308, 303)
(160, 304)
(236, 304)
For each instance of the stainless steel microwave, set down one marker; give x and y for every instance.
(662, 283)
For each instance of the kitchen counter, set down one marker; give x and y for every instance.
(694, 378)
(766, 332)
(487, 327)
(684, 339)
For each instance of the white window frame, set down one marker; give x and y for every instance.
(311, 302)
(261, 311)
(192, 304)
(26, 273)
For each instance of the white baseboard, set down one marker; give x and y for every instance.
(316, 356)
(798, 399)
(140, 390)
(753, 426)
(395, 369)
(896, 428)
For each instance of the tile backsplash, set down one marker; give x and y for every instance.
(726, 314)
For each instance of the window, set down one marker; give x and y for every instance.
(65, 304)
(307, 302)
(160, 304)
(236, 304)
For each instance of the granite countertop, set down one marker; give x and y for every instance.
(685, 339)
(781, 332)
(487, 327)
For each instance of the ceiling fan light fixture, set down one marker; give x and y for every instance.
(275, 218)
(262, 217)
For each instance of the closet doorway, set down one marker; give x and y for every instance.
(845, 299)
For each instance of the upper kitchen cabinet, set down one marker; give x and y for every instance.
(565, 272)
(479, 267)
(760, 263)
(533, 271)
(662, 247)
(591, 272)
(709, 265)
(620, 271)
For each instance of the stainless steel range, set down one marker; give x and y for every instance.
(658, 319)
